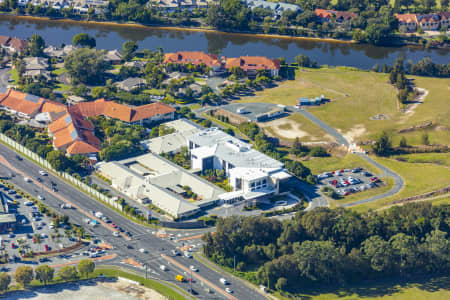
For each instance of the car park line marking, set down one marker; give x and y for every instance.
(199, 277)
(7, 164)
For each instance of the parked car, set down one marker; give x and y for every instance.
(43, 173)
(40, 197)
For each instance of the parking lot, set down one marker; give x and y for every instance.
(34, 232)
(348, 181)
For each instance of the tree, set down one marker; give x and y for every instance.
(86, 66)
(23, 275)
(84, 40)
(425, 138)
(444, 4)
(85, 267)
(281, 284)
(68, 273)
(378, 34)
(36, 45)
(403, 142)
(58, 160)
(379, 252)
(5, 280)
(44, 273)
(383, 145)
(129, 49)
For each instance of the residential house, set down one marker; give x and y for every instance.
(148, 113)
(278, 8)
(445, 19)
(21, 104)
(252, 174)
(252, 64)
(135, 64)
(343, 16)
(131, 84)
(113, 57)
(326, 15)
(173, 5)
(195, 58)
(13, 44)
(72, 99)
(59, 52)
(36, 67)
(407, 21)
(429, 22)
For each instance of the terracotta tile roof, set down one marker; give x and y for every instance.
(66, 136)
(60, 123)
(119, 111)
(253, 63)
(54, 109)
(150, 110)
(4, 39)
(445, 15)
(324, 13)
(406, 18)
(194, 57)
(80, 147)
(17, 44)
(428, 18)
(90, 138)
(21, 102)
(345, 15)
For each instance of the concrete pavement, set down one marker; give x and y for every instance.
(4, 77)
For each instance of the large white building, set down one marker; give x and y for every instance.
(151, 177)
(251, 174)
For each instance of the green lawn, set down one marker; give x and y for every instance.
(154, 92)
(63, 87)
(419, 178)
(356, 96)
(14, 75)
(421, 289)
(326, 164)
(434, 158)
(59, 71)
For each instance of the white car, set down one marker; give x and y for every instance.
(43, 173)
(26, 179)
(229, 291)
(28, 203)
(116, 234)
(41, 197)
(163, 267)
(193, 269)
(142, 250)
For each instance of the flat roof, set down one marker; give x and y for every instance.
(7, 218)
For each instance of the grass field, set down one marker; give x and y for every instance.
(14, 75)
(356, 96)
(419, 178)
(326, 164)
(433, 158)
(424, 289)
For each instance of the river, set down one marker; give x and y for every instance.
(112, 36)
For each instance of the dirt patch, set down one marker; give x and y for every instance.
(286, 128)
(354, 133)
(133, 290)
(421, 94)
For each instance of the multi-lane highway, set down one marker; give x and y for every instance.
(142, 237)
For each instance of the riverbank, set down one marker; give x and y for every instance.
(66, 21)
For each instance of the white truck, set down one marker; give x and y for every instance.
(223, 281)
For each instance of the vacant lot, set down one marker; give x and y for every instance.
(357, 96)
(327, 164)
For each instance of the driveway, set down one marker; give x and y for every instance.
(4, 77)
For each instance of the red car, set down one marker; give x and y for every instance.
(113, 225)
(34, 240)
(374, 179)
(46, 247)
(13, 245)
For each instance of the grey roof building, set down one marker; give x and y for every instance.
(131, 83)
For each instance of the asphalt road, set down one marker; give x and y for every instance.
(142, 236)
(398, 181)
(4, 77)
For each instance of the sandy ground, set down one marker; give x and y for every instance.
(423, 93)
(293, 132)
(119, 290)
(356, 131)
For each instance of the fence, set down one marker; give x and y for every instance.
(86, 188)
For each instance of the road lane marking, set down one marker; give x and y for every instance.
(48, 190)
(199, 277)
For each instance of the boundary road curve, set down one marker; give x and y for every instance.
(398, 181)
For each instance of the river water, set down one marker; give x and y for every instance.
(112, 36)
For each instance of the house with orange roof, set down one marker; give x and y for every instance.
(21, 104)
(148, 113)
(324, 15)
(15, 45)
(251, 64)
(445, 19)
(195, 58)
(429, 22)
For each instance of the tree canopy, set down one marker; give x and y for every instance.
(84, 40)
(86, 66)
